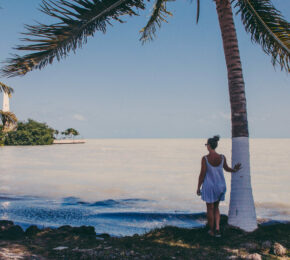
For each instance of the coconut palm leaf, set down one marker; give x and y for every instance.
(6, 89)
(8, 118)
(158, 16)
(267, 28)
(77, 20)
(197, 10)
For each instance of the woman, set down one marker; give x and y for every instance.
(213, 183)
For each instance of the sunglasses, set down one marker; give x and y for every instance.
(206, 144)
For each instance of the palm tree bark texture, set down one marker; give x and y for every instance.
(241, 210)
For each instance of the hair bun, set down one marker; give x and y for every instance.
(216, 138)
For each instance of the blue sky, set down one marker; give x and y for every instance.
(173, 87)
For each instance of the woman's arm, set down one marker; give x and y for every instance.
(228, 169)
(201, 175)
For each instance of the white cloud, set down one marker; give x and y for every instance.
(79, 117)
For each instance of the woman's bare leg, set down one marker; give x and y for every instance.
(210, 216)
(217, 216)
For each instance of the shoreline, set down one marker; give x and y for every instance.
(69, 141)
(169, 242)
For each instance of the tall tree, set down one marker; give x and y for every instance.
(6, 89)
(79, 19)
(9, 120)
(71, 132)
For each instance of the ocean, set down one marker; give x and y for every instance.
(128, 186)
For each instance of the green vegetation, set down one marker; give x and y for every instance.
(32, 133)
(6, 89)
(8, 118)
(70, 132)
(28, 133)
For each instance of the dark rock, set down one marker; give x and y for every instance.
(12, 233)
(279, 250)
(86, 230)
(32, 231)
(5, 224)
(83, 231)
(104, 235)
(267, 244)
(250, 246)
(65, 228)
(272, 222)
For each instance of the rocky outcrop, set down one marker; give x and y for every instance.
(68, 242)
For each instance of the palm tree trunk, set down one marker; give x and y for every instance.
(242, 209)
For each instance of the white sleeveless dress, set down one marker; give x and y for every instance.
(214, 184)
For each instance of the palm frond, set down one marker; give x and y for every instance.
(6, 89)
(267, 28)
(159, 15)
(197, 10)
(8, 117)
(77, 20)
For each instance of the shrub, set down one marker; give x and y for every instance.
(29, 133)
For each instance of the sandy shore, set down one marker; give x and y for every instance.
(166, 243)
(69, 141)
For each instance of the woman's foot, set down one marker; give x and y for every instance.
(217, 233)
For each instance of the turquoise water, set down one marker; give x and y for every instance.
(127, 186)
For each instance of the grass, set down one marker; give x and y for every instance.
(163, 243)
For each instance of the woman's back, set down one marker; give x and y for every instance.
(214, 185)
(214, 159)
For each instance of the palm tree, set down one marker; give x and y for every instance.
(6, 89)
(79, 19)
(56, 133)
(8, 119)
(71, 132)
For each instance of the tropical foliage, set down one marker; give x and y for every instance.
(79, 19)
(6, 89)
(2, 136)
(267, 28)
(55, 133)
(29, 133)
(71, 132)
(8, 118)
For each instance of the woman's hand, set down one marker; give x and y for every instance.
(198, 192)
(237, 167)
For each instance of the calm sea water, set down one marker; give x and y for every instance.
(127, 186)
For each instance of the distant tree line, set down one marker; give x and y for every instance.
(28, 133)
(33, 133)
